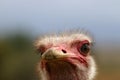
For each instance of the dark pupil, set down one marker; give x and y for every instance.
(85, 48)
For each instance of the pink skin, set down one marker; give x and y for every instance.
(69, 62)
(72, 50)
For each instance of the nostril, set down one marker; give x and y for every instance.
(64, 51)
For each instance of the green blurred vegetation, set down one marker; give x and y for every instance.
(18, 59)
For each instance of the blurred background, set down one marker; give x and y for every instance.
(22, 21)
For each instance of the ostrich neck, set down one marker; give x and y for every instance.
(62, 71)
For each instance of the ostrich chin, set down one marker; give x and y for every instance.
(63, 70)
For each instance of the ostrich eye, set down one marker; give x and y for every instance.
(41, 49)
(84, 49)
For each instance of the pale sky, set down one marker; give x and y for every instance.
(101, 17)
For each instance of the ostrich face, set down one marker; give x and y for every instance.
(65, 58)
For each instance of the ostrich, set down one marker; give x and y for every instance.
(65, 57)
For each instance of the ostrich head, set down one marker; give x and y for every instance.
(65, 57)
